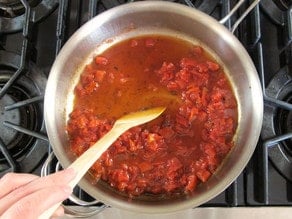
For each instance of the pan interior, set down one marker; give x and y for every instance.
(140, 18)
(137, 32)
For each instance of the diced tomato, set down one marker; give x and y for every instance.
(184, 75)
(90, 87)
(212, 66)
(191, 183)
(201, 164)
(99, 75)
(167, 132)
(124, 80)
(79, 91)
(182, 120)
(204, 96)
(149, 42)
(197, 50)
(134, 43)
(203, 175)
(172, 86)
(193, 114)
(111, 77)
(121, 175)
(145, 166)
(89, 68)
(166, 72)
(154, 141)
(210, 151)
(188, 63)
(100, 60)
(202, 67)
(173, 164)
(170, 186)
(86, 78)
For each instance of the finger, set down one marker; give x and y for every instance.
(59, 212)
(33, 205)
(59, 178)
(12, 181)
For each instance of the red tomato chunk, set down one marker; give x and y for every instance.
(178, 150)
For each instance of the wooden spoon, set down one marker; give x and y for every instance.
(88, 158)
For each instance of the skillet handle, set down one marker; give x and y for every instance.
(234, 9)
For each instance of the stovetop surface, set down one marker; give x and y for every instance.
(29, 45)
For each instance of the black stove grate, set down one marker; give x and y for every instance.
(23, 146)
(13, 13)
(266, 33)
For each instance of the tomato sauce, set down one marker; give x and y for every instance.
(178, 150)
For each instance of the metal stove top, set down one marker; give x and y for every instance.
(33, 32)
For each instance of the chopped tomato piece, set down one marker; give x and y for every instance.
(198, 50)
(173, 164)
(212, 66)
(145, 166)
(191, 183)
(100, 60)
(149, 42)
(203, 175)
(99, 75)
(134, 43)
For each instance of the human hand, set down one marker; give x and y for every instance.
(28, 196)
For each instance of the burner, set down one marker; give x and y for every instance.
(207, 6)
(17, 143)
(12, 15)
(283, 4)
(19, 115)
(284, 120)
(277, 123)
(276, 9)
(14, 8)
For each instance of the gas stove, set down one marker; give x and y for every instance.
(33, 32)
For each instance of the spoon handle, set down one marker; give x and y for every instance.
(87, 159)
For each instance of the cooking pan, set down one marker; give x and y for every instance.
(156, 17)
